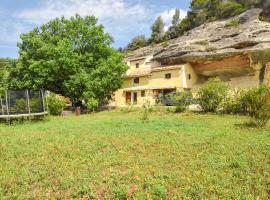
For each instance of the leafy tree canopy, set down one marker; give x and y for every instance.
(137, 42)
(4, 68)
(172, 31)
(176, 17)
(158, 31)
(71, 57)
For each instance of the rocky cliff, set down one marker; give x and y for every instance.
(245, 35)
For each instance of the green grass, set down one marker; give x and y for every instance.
(185, 156)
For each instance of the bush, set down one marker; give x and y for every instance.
(35, 105)
(234, 103)
(92, 104)
(181, 100)
(229, 9)
(56, 104)
(211, 94)
(21, 105)
(257, 101)
(233, 22)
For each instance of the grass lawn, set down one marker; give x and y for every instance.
(184, 156)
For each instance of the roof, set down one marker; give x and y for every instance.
(148, 88)
(163, 68)
(138, 73)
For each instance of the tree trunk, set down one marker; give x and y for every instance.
(78, 108)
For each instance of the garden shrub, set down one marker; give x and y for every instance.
(92, 104)
(21, 105)
(181, 100)
(257, 101)
(211, 94)
(35, 105)
(56, 104)
(234, 102)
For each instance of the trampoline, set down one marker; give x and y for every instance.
(23, 104)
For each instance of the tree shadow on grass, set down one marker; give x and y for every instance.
(249, 125)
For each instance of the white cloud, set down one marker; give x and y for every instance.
(122, 18)
(103, 9)
(10, 31)
(167, 16)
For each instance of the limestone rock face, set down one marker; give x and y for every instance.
(244, 35)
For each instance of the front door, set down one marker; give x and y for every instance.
(135, 97)
(128, 98)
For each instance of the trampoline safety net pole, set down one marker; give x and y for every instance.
(2, 108)
(7, 106)
(46, 97)
(42, 100)
(28, 102)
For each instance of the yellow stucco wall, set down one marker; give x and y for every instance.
(194, 77)
(129, 82)
(244, 82)
(157, 78)
(118, 99)
(140, 62)
(143, 63)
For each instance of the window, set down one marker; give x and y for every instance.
(189, 76)
(137, 65)
(143, 93)
(168, 76)
(136, 80)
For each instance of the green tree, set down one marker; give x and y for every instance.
(229, 9)
(71, 57)
(4, 67)
(172, 32)
(251, 3)
(176, 17)
(137, 42)
(157, 31)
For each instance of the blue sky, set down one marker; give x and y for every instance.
(123, 19)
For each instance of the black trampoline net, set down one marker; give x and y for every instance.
(22, 102)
